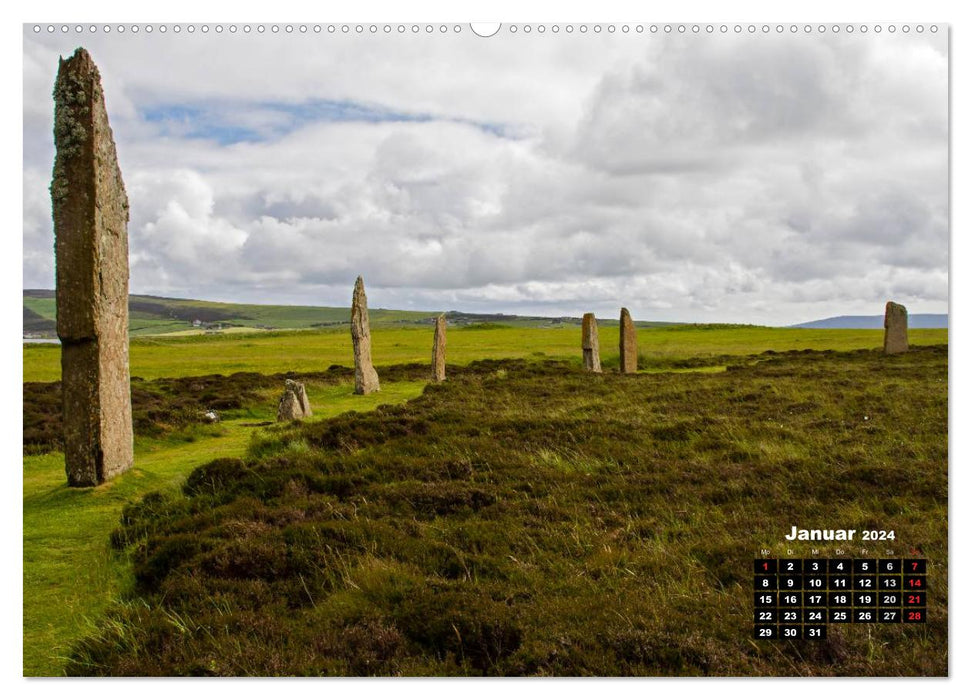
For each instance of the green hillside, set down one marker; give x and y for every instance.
(151, 315)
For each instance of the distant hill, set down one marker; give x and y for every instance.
(866, 322)
(152, 315)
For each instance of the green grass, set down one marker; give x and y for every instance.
(311, 351)
(70, 573)
(526, 518)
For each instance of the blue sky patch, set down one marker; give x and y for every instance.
(227, 123)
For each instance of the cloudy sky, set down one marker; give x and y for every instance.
(766, 178)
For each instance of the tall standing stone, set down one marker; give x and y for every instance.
(365, 377)
(895, 329)
(438, 350)
(628, 343)
(90, 211)
(591, 344)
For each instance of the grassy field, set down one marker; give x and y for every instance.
(312, 351)
(531, 519)
(515, 520)
(70, 572)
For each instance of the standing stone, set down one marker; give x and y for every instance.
(591, 344)
(301, 393)
(438, 350)
(294, 403)
(289, 408)
(895, 329)
(90, 212)
(628, 343)
(365, 377)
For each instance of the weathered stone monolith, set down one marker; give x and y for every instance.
(895, 329)
(591, 344)
(289, 408)
(301, 392)
(90, 212)
(294, 403)
(365, 377)
(438, 350)
(628, 343)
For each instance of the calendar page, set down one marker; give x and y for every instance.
(394, 349)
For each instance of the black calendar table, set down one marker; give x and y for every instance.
(798, 598)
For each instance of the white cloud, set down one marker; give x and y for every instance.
(176, 236)
(762, 179)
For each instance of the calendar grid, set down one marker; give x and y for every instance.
(799, 598)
